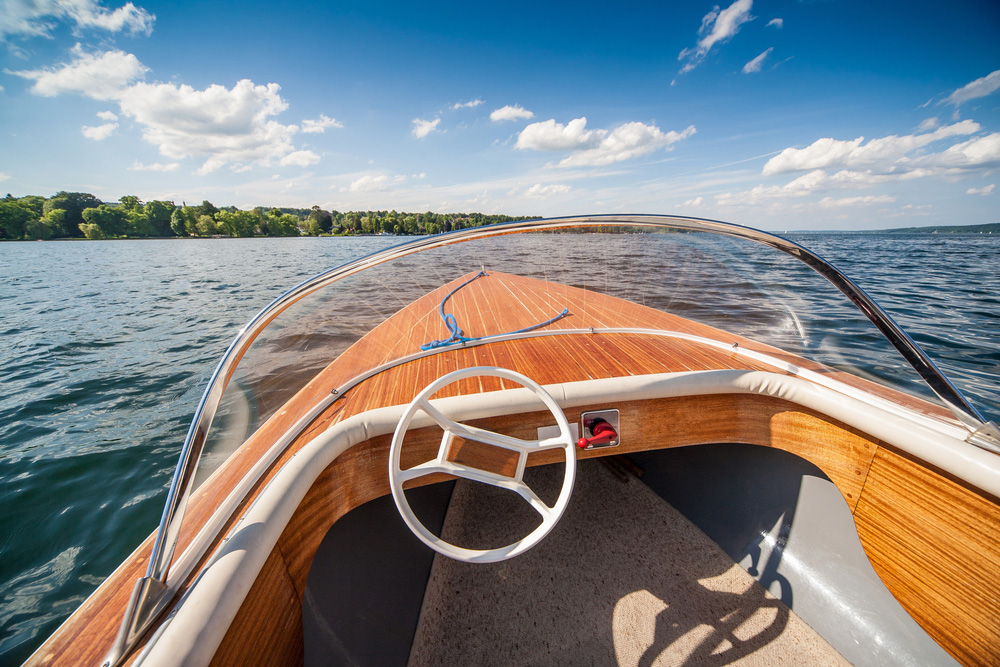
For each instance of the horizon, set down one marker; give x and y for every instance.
(813, 116)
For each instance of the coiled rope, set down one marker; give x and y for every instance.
(457, 336)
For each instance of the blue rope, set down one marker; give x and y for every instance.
(457, 336)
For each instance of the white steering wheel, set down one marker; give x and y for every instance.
(441, 464)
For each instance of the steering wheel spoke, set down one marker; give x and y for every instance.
(453, 429)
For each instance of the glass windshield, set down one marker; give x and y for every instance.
(737, 285)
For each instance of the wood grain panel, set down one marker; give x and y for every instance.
(935, 545)
(272, 634)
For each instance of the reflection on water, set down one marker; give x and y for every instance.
(105, 349)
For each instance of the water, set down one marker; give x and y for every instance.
(105, 348)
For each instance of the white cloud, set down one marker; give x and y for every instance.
(755, 64)
(101, 76)
(99, 132)
(3, 176)
(109, 116)
(982, 87)
(421, 128)
(777, 23)
(320, 124)
(369, 183)
(467, 105)
(509, 112)
(985, 190)
(597, 147)
(978, 153)
(717, 27)
(299, 159)
(225, 126)
(539, 191)
(697, 202)
(829, 202)
(885, 153)
(28, 18)
(156, 166)
(548, 135)
(929, 124)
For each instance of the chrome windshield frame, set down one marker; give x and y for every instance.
(146, 606)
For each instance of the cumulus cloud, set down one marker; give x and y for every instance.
(421, 128)
(99, 132)
(597, 147)
(226, 126)
(777, 23)
(539, 191)
(697, 202)
(717, 27)
(102, 76)
(548, 135)
(509, 112)
(156, 166)
(755, 64)
(3, 176)
(982, 87)
(299, 159)
(986, 190)
(320, 124)
(369, 183)
(883, 153)
(467, 105)
(38, 18)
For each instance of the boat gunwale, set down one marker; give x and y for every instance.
(140, 615)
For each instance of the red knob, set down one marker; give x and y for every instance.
(603, 433)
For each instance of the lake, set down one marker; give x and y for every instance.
(106, 347)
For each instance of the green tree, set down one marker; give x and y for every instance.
(138, 224)
(323, 220)
(74, 203)
(92, 231)
(236, 223)
(14, 218)
(130, 203)
(111, 220)
(45, 227)
(160, 217)
(282, 224)
(205, 226)
(178, 222)
(206, 208)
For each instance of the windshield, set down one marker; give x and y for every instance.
(740, 286)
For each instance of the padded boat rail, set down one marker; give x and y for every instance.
(194, 631)
(153, 592)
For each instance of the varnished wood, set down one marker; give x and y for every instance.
(935, 545)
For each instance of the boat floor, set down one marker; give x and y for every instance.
(624, 578)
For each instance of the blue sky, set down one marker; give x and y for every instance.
(830, 114)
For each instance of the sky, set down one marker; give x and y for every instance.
(781, 114)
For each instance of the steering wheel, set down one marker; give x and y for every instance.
(441, 464)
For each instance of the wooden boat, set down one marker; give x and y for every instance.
(560, 372)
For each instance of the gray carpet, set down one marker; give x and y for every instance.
(623, 579)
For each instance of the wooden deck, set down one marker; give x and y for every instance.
(502, 303)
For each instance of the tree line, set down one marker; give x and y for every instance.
(82, 215)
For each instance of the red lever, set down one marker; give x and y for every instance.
(603, 434)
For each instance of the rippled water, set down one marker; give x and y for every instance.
(105, 348)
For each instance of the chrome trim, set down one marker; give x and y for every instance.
(181, 484)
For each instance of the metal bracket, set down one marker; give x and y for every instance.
(987, 437)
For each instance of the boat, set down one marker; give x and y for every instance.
(590, 440)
